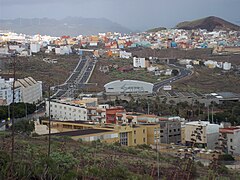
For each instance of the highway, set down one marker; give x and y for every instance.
(77, 80)
(183, 72)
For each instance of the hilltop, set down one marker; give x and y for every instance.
(156, 29)
(209, 23)
(72, 26)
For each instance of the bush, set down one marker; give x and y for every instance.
(226, 157)
(24, 126)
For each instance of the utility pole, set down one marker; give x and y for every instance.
(158, 145)
(148, 107)
(212, 113)
(26, 110)
(13, 123)
(49, 121)
(208, 113)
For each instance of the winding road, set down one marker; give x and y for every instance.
(183, 72)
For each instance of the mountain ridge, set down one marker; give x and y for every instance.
(72, 26)
(209, 23)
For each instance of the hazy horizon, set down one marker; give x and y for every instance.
(133, 14)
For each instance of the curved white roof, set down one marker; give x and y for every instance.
(127, 81)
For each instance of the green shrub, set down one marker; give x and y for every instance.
(226, 157)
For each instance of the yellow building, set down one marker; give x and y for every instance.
(128, 135)
(132, 135)
(183, 141)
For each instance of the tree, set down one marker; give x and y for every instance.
(175, 72)
(24, 126)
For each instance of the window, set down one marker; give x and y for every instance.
(134, 132)
(135, 141)
(144, 140)
(161, 131)
(174, 130)
(231, 140)
(144, 131)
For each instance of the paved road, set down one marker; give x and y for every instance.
(183, 73)
(77, 80)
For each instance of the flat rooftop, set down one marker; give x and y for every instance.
(81, 132)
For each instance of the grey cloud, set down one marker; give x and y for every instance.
(135, 14)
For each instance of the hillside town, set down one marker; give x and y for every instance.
(114, 43)
(84, 118)
(129, 112)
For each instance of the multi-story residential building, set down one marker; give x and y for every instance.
(170, 131)
(111, 112)
(201, 134)
(97, 114)
(65, 111)
(230, 139)
(139, 62)
(132, 135)
(31, 90)
(126, 135)
(6, 93)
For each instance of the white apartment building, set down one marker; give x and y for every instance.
(35, 47)
(31, 90)
(6, 93)
(139, 62)
(231, 139)
(65, 111)
(97, 114)
(125, 55)
(201, 133)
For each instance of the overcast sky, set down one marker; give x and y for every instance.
(134, 14)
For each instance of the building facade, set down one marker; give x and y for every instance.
(6, 93)
(202, 134)
(170, 131)
(139, 62)
(128, 86)
(66, 111)
(31, 90)
(231, 139)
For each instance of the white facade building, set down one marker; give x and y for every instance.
(202, 133)
(125, 55)
(226, 66)
(66, 111)
(63, 50)
(6, 93)
(34, 47)
(139, 62)
(128, 86)
(31, 90)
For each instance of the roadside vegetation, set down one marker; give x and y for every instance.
(81, 160)
(20, 109)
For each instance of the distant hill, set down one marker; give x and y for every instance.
(210, 23)
(72, 26)
(156, 29)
